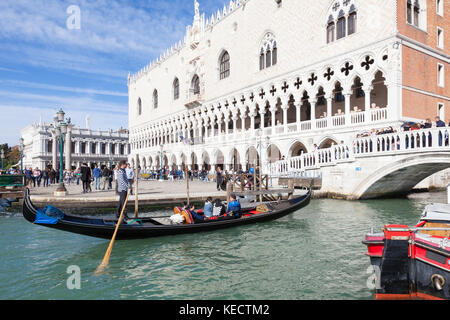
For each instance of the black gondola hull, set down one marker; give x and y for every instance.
(99, 229)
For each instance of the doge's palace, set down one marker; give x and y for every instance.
(278, 78)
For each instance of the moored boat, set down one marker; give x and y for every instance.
(413, 263)
(154, 227)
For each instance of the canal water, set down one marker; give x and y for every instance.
(315, 253)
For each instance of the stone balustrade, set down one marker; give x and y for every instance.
(435, 139)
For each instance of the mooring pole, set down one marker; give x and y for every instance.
(136, 197)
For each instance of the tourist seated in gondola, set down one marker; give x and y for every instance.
(208, 208)
(196, 215)
(234, 207)
(219, 208)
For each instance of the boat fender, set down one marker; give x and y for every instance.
(438, 281)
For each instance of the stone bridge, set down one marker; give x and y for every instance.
(378, 166)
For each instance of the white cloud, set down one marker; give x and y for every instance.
(35, 85)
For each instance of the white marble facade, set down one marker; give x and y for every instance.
(272, 65)
(42, 149)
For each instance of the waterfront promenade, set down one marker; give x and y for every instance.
(150, 192)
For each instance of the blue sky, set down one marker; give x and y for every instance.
(44, 65)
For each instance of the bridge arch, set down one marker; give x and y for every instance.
(400, 177)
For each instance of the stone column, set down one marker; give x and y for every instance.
(367, 102)
(284, 107)
(272, 112)
(227, 123)
(329, 110)
(235, 118)
(252, 122)
(313, 102)
(348, 119)
(54, 152)
(262, 115)
(298, 108)
(68, 147)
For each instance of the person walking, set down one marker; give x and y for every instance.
(86, 177)
(105, 178)
(28, 177)
(97, 177)
(219, 178)
(45, 177)
(123, 185)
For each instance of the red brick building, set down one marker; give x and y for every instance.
(424, 27)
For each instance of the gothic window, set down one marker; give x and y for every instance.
(268, 57)
(413, 12)
(176, 89)
(345, 22)
(341, 26)
(262, 60)
(274, 54)
(409, 12)
(416, 13)
(224, 65)
(155, 99)
(269, 52)
(196, 85)
(352, 20)
(330, 32)
(139, 106)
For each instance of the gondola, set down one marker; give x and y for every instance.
(156, 227)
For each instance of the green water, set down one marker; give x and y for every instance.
(315, 253)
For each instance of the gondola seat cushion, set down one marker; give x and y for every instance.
(53, 212)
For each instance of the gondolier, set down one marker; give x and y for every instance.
(122, 187)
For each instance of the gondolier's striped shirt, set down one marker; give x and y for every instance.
(122, 181)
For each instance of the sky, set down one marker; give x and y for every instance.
(76, 55)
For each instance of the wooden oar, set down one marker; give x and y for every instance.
(104, 264)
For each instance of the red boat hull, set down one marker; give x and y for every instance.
(408, 265)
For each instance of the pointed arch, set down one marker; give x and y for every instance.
(155, 99)
(176, 89)
(224, 65)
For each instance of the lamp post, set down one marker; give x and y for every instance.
(60, 132)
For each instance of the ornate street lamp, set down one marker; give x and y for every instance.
(61, 128)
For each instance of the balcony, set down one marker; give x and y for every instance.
(194, 100)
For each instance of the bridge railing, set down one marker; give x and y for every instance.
(314, 160)
(409, 141)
